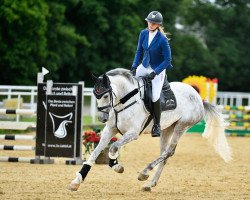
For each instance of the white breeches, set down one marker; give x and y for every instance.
(157, 82)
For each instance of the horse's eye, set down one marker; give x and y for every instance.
(106, 96)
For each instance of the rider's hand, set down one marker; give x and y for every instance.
(133, 71)
(150, 76)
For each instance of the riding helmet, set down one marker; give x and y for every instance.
(154, 17)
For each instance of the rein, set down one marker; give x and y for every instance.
(122, 101)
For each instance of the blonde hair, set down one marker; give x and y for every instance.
(167, 34)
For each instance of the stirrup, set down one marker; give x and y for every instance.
(156, 130)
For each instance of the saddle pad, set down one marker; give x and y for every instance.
(168, 100)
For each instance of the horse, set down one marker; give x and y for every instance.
(120, 104)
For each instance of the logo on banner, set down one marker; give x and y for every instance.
(59, 124)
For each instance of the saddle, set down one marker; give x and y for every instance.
(168, 100)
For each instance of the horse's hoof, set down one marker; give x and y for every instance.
(143, 177)
(154, 184)
(118, 168)
(146, 189)
(73, 186)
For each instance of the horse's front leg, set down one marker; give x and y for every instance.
(81, 175)
(114, 150)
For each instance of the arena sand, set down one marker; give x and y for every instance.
(194, 172)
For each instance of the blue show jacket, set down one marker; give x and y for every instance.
(157, 54)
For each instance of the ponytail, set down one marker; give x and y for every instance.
(166, 34)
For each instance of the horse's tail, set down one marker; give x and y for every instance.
(215, 132)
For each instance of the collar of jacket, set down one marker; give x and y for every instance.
(154, 39)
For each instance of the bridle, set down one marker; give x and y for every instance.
(106, 109)
(122, 100)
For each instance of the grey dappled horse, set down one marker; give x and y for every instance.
(128, 116)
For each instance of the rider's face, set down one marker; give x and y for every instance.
(152, 26)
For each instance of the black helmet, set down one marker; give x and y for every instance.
(154, 17)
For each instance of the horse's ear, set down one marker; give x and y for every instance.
(106, 80)
(94, 78)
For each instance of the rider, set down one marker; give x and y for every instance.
(154, 53)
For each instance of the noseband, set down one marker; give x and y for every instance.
(102, 108)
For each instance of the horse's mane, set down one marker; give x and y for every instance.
(122, 72)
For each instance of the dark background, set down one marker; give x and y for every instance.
(77, 37)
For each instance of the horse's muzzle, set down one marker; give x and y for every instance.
(103, 117)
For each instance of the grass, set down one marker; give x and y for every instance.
(87, 123)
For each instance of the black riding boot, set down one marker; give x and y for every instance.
(156, 129)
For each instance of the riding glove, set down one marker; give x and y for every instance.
(150, 76)
(133, 71)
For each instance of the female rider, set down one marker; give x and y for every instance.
(154, 53)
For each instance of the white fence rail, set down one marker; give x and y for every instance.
(30, 94)
(9, 92)
(233, 98)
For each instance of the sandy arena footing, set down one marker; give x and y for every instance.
(194, 172)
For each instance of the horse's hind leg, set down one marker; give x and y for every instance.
(169, 150)
(165, 139)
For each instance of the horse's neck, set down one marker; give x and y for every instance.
(123, 119)
(123, 86)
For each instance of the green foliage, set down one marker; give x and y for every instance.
(62, 43)
(190, 56)
(226, 24)
(110, 33)
(75, 38)
(22, 40)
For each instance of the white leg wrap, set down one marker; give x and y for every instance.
(78, 178)
(113, 156)
(87, 163)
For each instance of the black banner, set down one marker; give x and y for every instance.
(61, 92)
(61, 126)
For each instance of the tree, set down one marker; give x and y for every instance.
(226, 25)
(75, 38)
(35, 34)
(63, 42)
(109, 32)
(112, 29)
(22, 40)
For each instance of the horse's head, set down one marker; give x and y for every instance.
(103, 93)
(108, 97)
